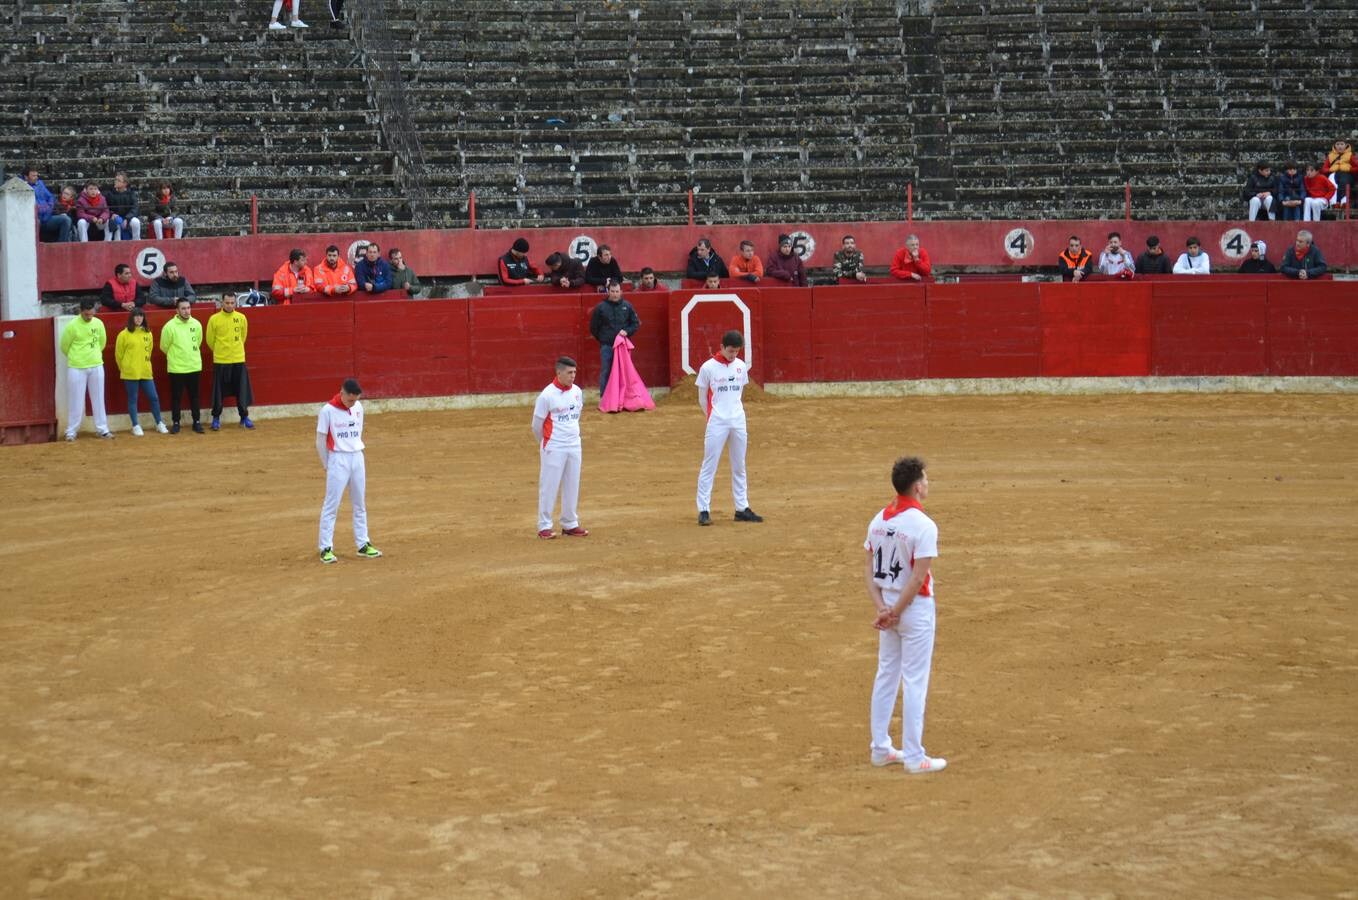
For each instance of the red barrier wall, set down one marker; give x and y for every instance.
(787, 349)
(708, 320)
(1095, 329)
(984, 331)
(28, 411)
(1312, 328)
(404, 352)
(869, 333)
(1209, 329)
(1002, 244)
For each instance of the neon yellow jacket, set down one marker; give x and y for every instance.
(180, 342)
(83, 343)
(133, 354)
(226, 333)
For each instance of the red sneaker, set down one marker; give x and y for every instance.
(577, 531)
(547, 534)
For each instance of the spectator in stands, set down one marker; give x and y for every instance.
(1260, 189)
(746, 265)
(294, 11)
(1257, 263)
(1319, 192)
(171, 287)
(1153, 261)
(784, 265)
(515, 269)
(333, 277)
(68, 205)
(124, 210)
(92, 214)
(1303, 260)
(294, 279)
(403, 278)
(337, 22)
(132, 352)
(603, 269)
(225, 337)
(703, 259)
(181, 341)
(164, 212)
(712, 281)
(849, 261)
(1291, 192)
(1193, 261)
(565, 272)
(1075, 262)
(120, 291)
(1114, 260)
(373, 273)
(911, 262)
(53, 226)
(648, 281)
(613, 316)
(82, 343)
(1339, 163)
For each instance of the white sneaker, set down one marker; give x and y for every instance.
(887, 757)
(106, 435)
(276, 25)
(298, 23)
(926, 765)
(70, 435)
(136, 431)
(160, 427)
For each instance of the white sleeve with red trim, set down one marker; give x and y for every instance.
(542, 415)
(704, 381)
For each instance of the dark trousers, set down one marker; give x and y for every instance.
(230, 380)
(184, 383)
(336, 9)
(605, 365)
(57, 229)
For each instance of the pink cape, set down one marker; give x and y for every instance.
(625, 390)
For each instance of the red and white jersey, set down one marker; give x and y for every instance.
(342, 425)
(560, 408)
(897, 536)
(720, 385)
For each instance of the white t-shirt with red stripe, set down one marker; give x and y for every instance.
(342, 425)
(560, 408)
(897, 536)
(720, 386)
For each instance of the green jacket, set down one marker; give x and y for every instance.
(181, 341)
(82, 343)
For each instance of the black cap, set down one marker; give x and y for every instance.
(521, 245)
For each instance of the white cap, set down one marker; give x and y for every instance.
(1261, 247)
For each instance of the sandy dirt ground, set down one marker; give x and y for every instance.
(1144, 680)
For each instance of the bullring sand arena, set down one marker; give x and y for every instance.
(1143, 682)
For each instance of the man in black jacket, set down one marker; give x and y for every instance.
(613, 316)
(124, 214)
(1153, 261)
(565, 272)
(702, 259)
(171, 287)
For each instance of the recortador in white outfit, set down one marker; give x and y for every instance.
(720, 386)
(897, 536)
(344, 468)
(556, 423)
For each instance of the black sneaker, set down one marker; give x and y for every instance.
(748, 515)
(197, 427)
(704, 518)
(174, 429)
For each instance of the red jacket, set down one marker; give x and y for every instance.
(902, 266)
(1319, 186)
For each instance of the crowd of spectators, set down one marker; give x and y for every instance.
(101, 214)
(1295, 196)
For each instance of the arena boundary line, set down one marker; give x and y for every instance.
(942, 387)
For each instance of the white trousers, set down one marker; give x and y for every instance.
(344, 470)
(560, 471)
(296, 9)
(1312, 207)
(158, 226)
(904, 654)
(114, 233)
(1255, 203)
(721, 434)
(78, 383)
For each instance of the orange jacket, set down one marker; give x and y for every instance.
(326, 279)
(1339, 162)
(287, 285)
(739, 266)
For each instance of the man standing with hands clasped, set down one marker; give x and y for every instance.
(901, 546)
(721, 381)
(226, 333)
(339, 443)
(556, 424)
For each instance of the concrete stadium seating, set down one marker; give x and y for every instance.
(608, 112)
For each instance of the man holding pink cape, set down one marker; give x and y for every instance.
(626, 391)
(613, 316)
